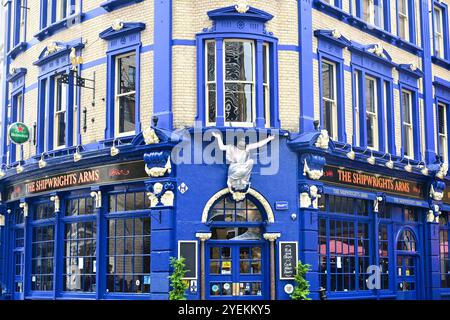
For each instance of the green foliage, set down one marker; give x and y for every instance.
(301, 290)
(177, 283)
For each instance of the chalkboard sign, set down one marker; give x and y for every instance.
(288, 259)
(188, 250)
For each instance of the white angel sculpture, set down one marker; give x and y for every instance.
(240, 162)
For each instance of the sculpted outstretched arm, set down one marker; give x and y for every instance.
(259, 144)
(218, 136)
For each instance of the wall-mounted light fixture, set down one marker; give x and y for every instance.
(19, 168)
(408, 167)
(423, 168)
(114, 150)
(389, 163)
(42, 163)
(77, 156)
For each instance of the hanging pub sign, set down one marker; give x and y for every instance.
(369, 181)
(89, 176)
(288, 259)
(18, 133)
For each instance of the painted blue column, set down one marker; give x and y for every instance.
(432, 262)
(260, 118)
(162, 57)
(309, 247)
(162, 247)
(100, 263)
(59, 249)
(305, 36)
(220, 101)
(430, 152)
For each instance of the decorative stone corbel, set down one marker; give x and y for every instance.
(150, 136)
(309, 196)
(203, 236)
(313, 166)
(55, 199)
(117, 25)
(434, 213)
(442, 172)
(336, 34)
(157, 164)
(24, 207)
(436, 194)
(159, 193)
(378, 50)
(242, 6)
(167, 198)
(97, 195)
(323, 140)
(271, 236)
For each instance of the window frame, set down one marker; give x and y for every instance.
(414, 94)
(118, 95)
(407, 125)
(438, 35)
(335, 134)
(354, 219)
(46, 127)
(443, 8)
(208, 82)
(15, 152)
(376, 140)
(439, 104)
(50, 13)
(444, 229)
(260, 120)
(123, 215)
(59, 97)
(252, 83)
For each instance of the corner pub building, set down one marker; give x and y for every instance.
(356, 95)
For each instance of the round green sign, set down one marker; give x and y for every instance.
(19, 133)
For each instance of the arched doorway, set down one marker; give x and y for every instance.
(236, 254)
(408, 266)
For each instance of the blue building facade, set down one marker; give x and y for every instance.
(123, 168)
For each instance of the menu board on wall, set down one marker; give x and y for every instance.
(188, 250)
(288, 259)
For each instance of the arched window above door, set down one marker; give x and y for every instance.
(407, 241)
(228, 210)
(232, 220)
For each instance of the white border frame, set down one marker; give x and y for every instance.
(279, 257)
(196, 257)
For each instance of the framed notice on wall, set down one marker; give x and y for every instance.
(288, 258)
(188, 250)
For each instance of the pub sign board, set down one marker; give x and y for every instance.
(18, 133)
(288, 259)
(369, 181)
(90, 176)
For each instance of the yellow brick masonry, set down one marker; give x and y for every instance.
(95, 48)
(189, 18)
